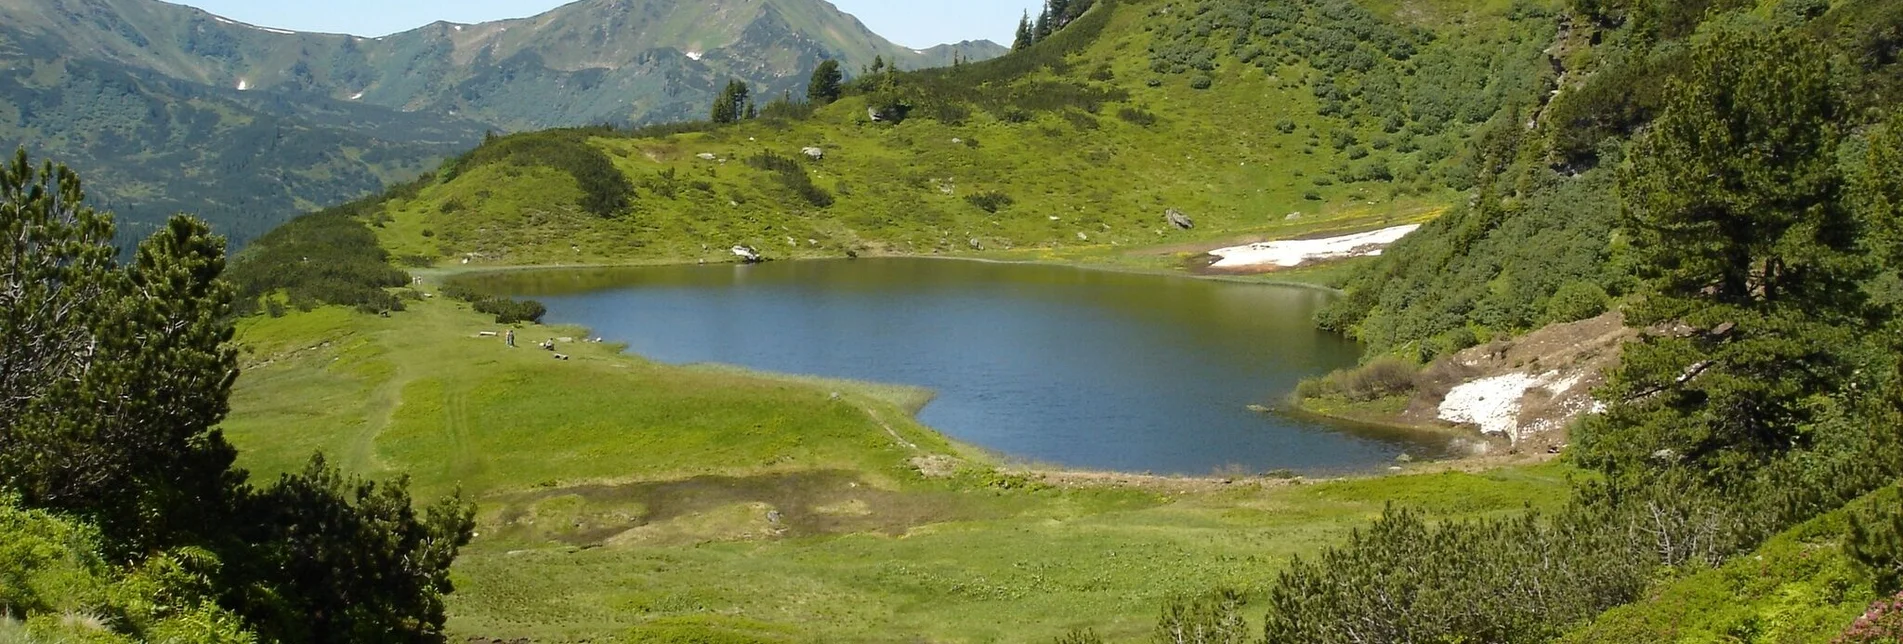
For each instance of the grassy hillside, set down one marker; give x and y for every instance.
(622, 500)
(1079, 145)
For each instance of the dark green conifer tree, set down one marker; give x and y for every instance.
(1027, 34)
(731, 104)
(113, 379)
(1734, 207)
(826, 84)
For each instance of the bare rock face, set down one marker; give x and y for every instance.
(748, 254)
(815, 154)
(1178, 219)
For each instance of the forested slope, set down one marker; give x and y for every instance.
(1542, 220)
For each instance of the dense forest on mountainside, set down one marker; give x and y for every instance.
(171, 109)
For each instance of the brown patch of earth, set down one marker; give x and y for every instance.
(721, 508)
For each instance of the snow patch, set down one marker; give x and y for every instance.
(223, 21)
(1493, 404)
(286, 32)
(356, 96)
(1296, 252)
(459, 27)
(695, 55)
(243, 84)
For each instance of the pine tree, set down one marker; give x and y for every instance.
(826, 84)
(732, 103)
(1044, 28)
(1027, 35)
(1060, 13)
(878, 64)
(369, 567)
(112, 382)
(1733, 203)
(723, 110)
(113, 378)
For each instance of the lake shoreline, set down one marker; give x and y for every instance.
(465, 271)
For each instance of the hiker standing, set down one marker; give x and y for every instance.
(511, 338)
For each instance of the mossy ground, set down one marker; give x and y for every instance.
(623, 499)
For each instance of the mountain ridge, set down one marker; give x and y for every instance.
(179, 109)
(771, 43)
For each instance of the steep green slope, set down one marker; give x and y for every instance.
(1543, 217)
(1352, 118)
(175, 109)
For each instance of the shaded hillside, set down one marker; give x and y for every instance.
(1326, 115)
(175, 109)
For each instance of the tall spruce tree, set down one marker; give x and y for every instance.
(1734, 209)
(826, 84)
(731, 103)
(1027, 34)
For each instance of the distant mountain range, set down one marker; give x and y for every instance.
(168, 108)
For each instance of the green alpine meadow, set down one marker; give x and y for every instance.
(1166, 321)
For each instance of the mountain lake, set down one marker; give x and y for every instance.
(1044, 365)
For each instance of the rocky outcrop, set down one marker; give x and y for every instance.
(1178, 219)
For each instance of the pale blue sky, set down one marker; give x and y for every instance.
(913, 23)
